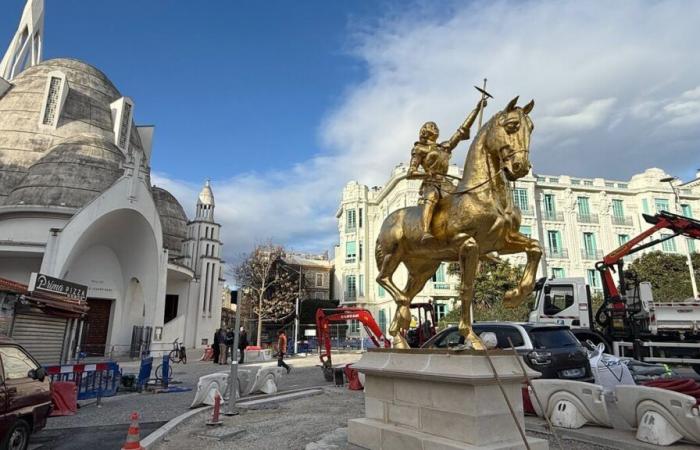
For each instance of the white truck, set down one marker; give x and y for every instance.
(629, 321)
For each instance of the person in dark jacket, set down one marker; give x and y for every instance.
(215, 346)
(242, 344)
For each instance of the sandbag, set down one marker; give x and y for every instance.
(64, 398)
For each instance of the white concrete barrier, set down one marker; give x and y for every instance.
(661, 416)
(571, 404)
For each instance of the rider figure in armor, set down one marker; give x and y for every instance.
(434, 158)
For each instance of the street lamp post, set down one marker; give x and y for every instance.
(300, 272)
(677, 207)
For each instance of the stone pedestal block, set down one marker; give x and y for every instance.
(439, 400)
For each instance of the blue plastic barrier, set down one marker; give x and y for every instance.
(92, 380)
(144, 372)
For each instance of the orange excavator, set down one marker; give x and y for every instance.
(424, 330)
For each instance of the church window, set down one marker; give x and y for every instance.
(52, 101)
(125, 125)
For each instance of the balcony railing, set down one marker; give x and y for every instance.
(350, 296)
(588, 218)
(350, 260)
(561, 253)
(527, 211)
(591, 254)
(350, 228)
(553, 216)
(441, 286)
(622, 220)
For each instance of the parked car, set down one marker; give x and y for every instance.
(552, 350)
(25, 396)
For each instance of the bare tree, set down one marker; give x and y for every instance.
(265, 281)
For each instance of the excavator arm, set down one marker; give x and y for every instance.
(324, 317)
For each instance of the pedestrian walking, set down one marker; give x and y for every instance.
(222, 347)
(215, 346)
(242, 344)
(281, 349)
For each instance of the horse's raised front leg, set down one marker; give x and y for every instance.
(469, 262)
(518, 243)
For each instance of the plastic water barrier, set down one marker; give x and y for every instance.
(92, 380)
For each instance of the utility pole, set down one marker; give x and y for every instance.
(232, 387)
(677, 198)
(296, 311)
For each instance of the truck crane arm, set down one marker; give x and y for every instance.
(679, 225)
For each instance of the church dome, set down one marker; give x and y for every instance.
(72, 173)
(86, 110)
(173, 220)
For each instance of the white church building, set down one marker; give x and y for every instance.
(77, 204)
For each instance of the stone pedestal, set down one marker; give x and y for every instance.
(439, 400)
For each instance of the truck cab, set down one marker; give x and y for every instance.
(564, 301)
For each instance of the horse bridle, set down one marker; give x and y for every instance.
(501, 159)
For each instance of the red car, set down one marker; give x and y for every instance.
(25, 396)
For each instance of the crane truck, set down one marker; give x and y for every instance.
(630, 322)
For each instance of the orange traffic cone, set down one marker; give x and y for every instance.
(133, 440)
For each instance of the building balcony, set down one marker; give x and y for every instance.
(560, 253)
(527, 211)
(588, 218)
(553, 216)
(349, 229)
(350, 296)
(593, 255)
(622, 220)
(442, 286)
(350, 260)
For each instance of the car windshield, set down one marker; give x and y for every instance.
(553, 338)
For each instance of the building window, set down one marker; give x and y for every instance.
(53, 100)
(526, 230)
(618, 208)
(589, 246)
(350, 220)
(350, 252)
(350, 287)
(361, 285)
(668, 245)
(645, 206)
(588, 182)
(609, 184)
(593, 278)
(622, 185)
(687, 210)
(584, 208)
(382, 321)
(553, 180)
(381, 292)
(125, 125)
(319, 280)
(354, 326)
(440, 311)
(359, 249)
(557, 272)
(554, 242)
(575, 182)
(439, 278)
(691, 245)
(661, 204)
(520, 199)
(550, 211)
(170, 312)
(622, 239)
(359, 218)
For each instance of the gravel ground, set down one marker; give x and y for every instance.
(318, 422)
(163, 407)
(290, 424)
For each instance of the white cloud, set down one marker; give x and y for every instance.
(615, 84)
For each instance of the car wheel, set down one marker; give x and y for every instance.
(18, 436)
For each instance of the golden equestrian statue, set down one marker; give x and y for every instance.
(477, 218)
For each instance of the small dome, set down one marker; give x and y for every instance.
(87, 109)
(173, 220)
(72, 173)
(206, 197)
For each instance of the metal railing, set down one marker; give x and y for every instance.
(527, 211)
(350, 260)
(622, 220)
(591, 254)
(557, 252)
(553, 216)
(588, 218)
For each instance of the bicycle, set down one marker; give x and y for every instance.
(178, 354)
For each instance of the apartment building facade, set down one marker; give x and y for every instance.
(577, 220)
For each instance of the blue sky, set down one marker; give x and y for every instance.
(281, 103)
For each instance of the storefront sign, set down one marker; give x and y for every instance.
(45, 283)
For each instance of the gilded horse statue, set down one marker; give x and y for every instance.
(475, 220)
